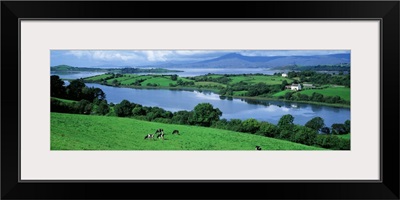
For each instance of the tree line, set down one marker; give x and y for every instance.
(315, 97)
(320, 78)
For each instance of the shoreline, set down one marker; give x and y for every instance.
(231, 96)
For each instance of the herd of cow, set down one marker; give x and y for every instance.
(160, 134)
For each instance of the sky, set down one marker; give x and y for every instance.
(135, 58)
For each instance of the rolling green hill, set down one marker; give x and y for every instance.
(84, 132)
(342, 92)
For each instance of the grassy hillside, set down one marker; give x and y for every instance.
(345, 136)
(342, 92)
(254, 79)
(83, 132)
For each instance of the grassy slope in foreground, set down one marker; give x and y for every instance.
(82, 132)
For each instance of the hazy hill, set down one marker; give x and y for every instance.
(235, 60)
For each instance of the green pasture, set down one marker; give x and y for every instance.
(342, 92)
(86, 132)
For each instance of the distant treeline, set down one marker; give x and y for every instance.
(315, 97)
(204, 114)
(339, 68)
(320, 78)
(125, 70)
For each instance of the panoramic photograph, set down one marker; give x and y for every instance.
(189, 100)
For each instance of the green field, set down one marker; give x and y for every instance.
(281, 93)
(211, 84)
(254, 79)
(84, 132)
(63, 100)
(128, 79)
(161, 81)
(342, 92)
(345, 136)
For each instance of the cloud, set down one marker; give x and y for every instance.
(105, 55)
(290, 52)
(158, 55)
(146, 57)
(79, 54)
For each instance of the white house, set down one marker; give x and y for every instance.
(296, 87)
(284, 75)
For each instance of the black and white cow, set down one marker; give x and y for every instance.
(149, 136)
(175, 132)
(160, 135)
(258, 148)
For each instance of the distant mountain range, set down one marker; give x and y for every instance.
(235, 60)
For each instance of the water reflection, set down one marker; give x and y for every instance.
(264, 110)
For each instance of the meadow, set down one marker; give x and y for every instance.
(165, 80)
(342, 92)
(345, 136)
(88, 132)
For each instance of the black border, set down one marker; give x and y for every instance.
(387, 11)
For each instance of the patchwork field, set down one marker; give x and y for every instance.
(85, 132)
(269, 80)
(342, 92)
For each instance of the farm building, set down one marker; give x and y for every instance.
(295, 87)
(284, 75)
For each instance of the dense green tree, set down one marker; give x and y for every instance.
(103, 108)
(284, 84)
(84, 107)
(286, 120)
(74, 89)
(204, 114)
(285, 134)
(347, 126)
(174, 77)
(317, 97)
(57, 87)
(267, 129)
(304, 135)
(315, 123)
(123, 109)
(181, 117)
(338, 129)
(325, 130)
(250, 125)
(93, 94)
(139, 111)
(235, 125)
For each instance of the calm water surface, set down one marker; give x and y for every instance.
(271, 111)
(188, 72)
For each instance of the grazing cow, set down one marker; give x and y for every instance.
(161, 135)
(149, 136)
(258, 148)
(159, 131)
(175, 132)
